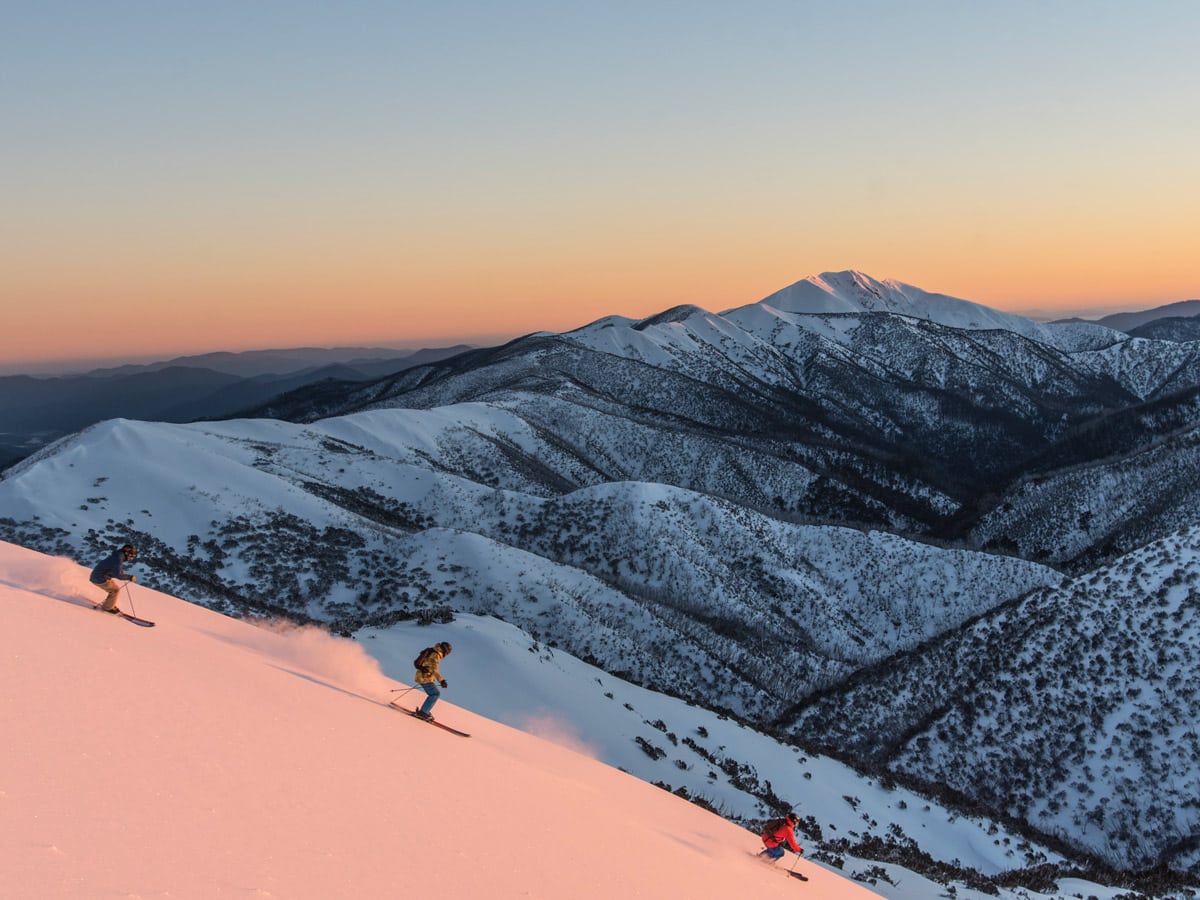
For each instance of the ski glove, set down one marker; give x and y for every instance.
(445, 683)
(133, 578)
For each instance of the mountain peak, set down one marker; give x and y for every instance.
(854, 293)
(833, 282)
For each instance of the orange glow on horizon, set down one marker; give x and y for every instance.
(490, 305)
(176, 292)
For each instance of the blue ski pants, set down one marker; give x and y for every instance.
(431, 689)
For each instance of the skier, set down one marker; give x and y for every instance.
(428, 677)
(777, 834)
(110, 576)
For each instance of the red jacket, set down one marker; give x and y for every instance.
(784, 834)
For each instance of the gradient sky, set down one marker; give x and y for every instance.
(178, 177)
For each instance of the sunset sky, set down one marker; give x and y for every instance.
(182, 177)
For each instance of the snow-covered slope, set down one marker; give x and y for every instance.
(1106, 489)
(208, 757)
(1073, 709)
(367, 518)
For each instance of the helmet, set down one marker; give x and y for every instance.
(793, 818)
(445, 647)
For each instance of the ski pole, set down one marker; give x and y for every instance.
(129, 597)
(792, 871)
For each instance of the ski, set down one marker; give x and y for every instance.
(145, 623)
(413, 713)
(136, 620)
(792, 872)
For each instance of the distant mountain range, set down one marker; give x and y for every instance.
(956, 546)
(1132, 321)
(35, 410)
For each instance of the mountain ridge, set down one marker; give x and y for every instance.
(36, 410)
(679, 499)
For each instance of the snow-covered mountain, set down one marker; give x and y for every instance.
(1079, 701)
(209, 757)
(35, 411)
(855, 293)
(754, 511)
(1139, 483)
(356, 520)
(887, 420)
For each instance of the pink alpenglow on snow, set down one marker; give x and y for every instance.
(210, 758)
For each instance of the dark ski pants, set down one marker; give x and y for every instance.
(775, 853)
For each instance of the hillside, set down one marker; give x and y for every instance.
(1072, 709)
(208, 756)
(760, 512)
(1131, 321)
(362, 520)
(919, 419)
(35, 411)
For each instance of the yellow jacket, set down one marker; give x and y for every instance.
(430, 673)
